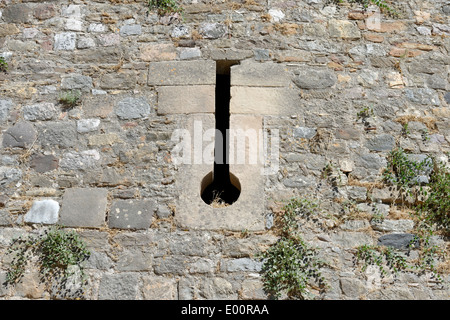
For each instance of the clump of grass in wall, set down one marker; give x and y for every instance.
(381, 4)
(436, 207)
(291, 265)
(60, 255)
(70, 99)
(164, 7)
(3, 65)
(404, 172)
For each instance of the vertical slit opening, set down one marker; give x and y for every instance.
(220, 187)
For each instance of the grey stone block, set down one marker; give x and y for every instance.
(383, 142)
(17, 13)
(213, 30)
(401, 241)
(256, 74)
(5, 106)
(130, 30)
(424, 96)
(65, 41)
(308, 78)
(182, 73)
(131, 214)
(40, 111)
(21, 135)
(84, 207)
(54, 133)
(44, 163)
(122, 286)
(132, 108)
(43, 211)
(77, 82)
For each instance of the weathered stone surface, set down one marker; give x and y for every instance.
(130, 30)
(122, 286)
(242, 264)
(43, 211)
(423, 96)
(77, 82)
(133, 108)
(104, 55)
(103, 139)
(134, 259)
(80, 160)
(158, 52)
(63, 134)
(65, 41)
(17, 13)
(121, 80)
(401, 241)
(21, 135)
(182, 73)
(44, 163)
(159, 288)
(5, 106)
(343, 29)
(131, 214)
(8, 29)
(186, 99)
(213, 30)
(255, 74)
(304, 132)
(397, 226)
(9, 176)
(87, 125)
(173, 264)
(264, 100)
(5, 220)
(84, 207)
(383, 142)
(44, 11)
(189, 53)
(40, 111)
(315, 78)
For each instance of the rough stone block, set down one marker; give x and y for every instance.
(84, 207)
(21, 135)
(131, 214)
(5, 106)
(343, 29)
(186, 99)
(43, 211)
(256, 75)
(80, 160)
(182, 73)
(17, 13)
(122, 286)
(312, 78)
(87, 125)
(44, 163)
(132, 108)
(264, 100)
(65, 41)
(159, 288)
(130, 30)
(40, 111)
(158, 52)
(401, 241)
(63, 134)
(121, 81)
(77, 82)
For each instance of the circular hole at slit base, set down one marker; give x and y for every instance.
(220, 194)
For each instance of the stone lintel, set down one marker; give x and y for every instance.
(186, 99)
(176, 73)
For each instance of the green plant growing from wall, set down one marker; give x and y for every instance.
(3, 64)
(290, 265)
(70, 99)
(381, 4)
(403, 172)
(436, 207)
(59, 255)
(164, 7)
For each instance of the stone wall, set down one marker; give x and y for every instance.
(305, 68)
